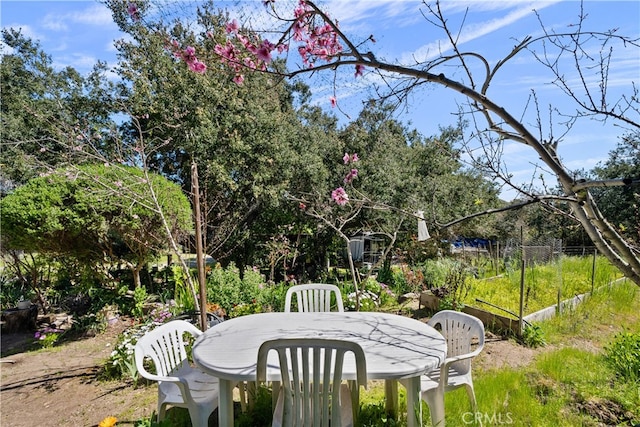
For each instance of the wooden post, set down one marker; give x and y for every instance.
(199, 250)
(593, 269)
(521, 312)
(522, 272)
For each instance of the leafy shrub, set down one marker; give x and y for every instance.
(533, 336)
(48, 337)
(139, 299)
(260, 413)
(449, 303)
(226, 287)
(181, 295)
(272, 296)
(385, 274)
(623, 355)
(121, 362)
(373, 295)
(244, 309)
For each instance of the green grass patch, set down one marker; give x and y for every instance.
(543, 284)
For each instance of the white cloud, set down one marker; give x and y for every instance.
(96, 15)
(474, 31)
(53, 22)
(77, 61)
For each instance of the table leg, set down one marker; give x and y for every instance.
(225, 404)
(391, 397)
(414, 402)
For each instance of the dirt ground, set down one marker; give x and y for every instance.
(59, 387)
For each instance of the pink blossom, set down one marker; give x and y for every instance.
(132, 10)
(238, 79)
(340, 196)
(248, 62)
(263, 54)
(189, 54)
(333, 101)
(232, 27)
(350, 158)
(197, 67)
(359, 70)
(353, 173)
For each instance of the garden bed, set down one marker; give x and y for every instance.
(509, 325)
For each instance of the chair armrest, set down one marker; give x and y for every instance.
(182, 383)
(450, 360)
(444, 368)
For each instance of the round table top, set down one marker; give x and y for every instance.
(395, 346)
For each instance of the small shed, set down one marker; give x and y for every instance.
(366, 248)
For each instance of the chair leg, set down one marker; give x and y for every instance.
(162, 411)
(435, 401)
(199, 418)
(472, 396)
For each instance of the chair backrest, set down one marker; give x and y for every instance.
(463, 333)
(313, 297)
(311, 378)
(165, 345)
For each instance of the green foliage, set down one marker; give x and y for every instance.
(152, 422)
(139, 299)
(455, 286)
(174, 417)
(260, 413)
(235, 294)
(571, 276)
(533, 336)
(621, 205)
(372, 296)
(48, 337)
(44, 108)
(246, 139)
(623, 355)
(385, 274)
(182, 295)
(91, 211)
(11, 291)
(121, 362)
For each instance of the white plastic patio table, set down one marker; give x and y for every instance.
(395, 347)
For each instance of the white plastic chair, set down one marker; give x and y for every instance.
(312, 391)
(464, 335)
(179, 384)
(313, 297)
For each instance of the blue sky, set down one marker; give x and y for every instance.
(79, 33)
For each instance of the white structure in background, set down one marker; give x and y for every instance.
(366, 249)
(423, 233)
